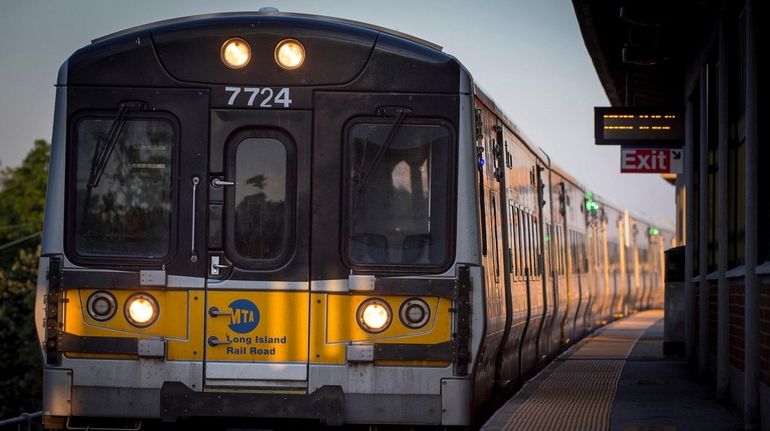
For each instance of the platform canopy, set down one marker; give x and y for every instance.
(640, 47)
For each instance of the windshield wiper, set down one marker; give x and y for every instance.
(102, 153)
(400, 114)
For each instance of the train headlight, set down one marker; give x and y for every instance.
(374, 315)
(414, 313)
(141, 310)
(101, 306)
(289, 54)
(235, 53)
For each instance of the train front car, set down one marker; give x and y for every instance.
(256, 216)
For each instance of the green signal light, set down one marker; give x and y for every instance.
(654, 231)
(591, 204)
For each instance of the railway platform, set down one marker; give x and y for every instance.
(616, 379)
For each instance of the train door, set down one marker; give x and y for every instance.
(609, 286)
(257, 290)
(543, 256)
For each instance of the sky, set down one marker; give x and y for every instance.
(528, 55)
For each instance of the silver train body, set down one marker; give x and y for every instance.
(363, 238)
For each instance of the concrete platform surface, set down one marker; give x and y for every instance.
(616, 379)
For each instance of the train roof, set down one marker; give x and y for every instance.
(168, 53)
(510, 124)
(540, 153)
(268, 12)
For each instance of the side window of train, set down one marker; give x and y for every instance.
(533, 241)
(573, 252)
(546, 250)
(569, 252)
(397, 192)
(535, 250)
(565, 251)
(579, 255)
(262, 212)
(557, 248)
(524, 237)
(538, 262)
(532, 246)
(523, 243)
(565, 255)
(121, 190)
(560, 248)
(518, 250)
(512, 250)
(562, 251)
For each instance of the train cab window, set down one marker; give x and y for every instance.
(260, 230)
(398, 193)
(123, 187)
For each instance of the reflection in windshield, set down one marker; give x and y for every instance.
(260, 198)
(399, 214)
(128, 212)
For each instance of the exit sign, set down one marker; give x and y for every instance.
(651, 161)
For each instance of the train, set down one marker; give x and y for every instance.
(272, 216)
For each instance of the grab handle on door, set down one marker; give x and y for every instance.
(216, 266)
(193, 253)
(214, 341)
(218, 182)
(215, 312)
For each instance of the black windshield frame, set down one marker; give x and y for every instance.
(71, 192)
(450, 199)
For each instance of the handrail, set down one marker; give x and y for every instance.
(24, 417)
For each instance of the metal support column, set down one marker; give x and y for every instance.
(690, 151)
(723, 297)
(703, 215)
(751, 304)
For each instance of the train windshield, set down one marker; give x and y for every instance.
(127, 212)
(398, 193)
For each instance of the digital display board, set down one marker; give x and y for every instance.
(639, 127)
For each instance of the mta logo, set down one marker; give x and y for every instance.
(244, 317)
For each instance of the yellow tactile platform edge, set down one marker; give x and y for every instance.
(579, 393)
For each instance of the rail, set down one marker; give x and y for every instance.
(22, 418)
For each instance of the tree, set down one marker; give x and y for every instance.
(20, 360)
(22, 199)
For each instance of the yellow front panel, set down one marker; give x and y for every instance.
(180, 320)
(260, 326)
(334, 325)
